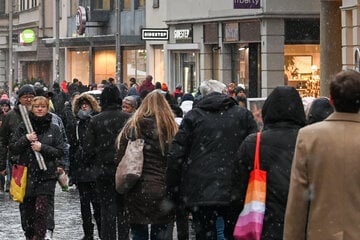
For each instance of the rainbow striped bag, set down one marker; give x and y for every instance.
(250, 221)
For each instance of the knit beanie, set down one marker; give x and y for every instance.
(26, 89)
(110, 96)
(164, 87)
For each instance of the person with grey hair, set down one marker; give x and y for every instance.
(129, 104)
(200, 172)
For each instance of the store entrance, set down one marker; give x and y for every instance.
(186, 68)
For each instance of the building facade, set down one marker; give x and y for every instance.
(260, 44)
(23, 56)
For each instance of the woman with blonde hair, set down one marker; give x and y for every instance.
(146, 203)
(48, 141)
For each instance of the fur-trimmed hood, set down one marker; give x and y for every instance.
(85, 97)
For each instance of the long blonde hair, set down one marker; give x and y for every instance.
(154, 105)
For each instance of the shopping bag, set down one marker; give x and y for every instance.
(250, 221)
(18, 182)
(130, 167)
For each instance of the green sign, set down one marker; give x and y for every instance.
(28, 36)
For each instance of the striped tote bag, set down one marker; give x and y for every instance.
(250, 221)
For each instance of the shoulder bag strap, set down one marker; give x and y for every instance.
(257, 151)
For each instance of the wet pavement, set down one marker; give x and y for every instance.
(68, 224)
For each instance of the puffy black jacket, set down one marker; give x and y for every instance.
(283, 115)
(202, 160)
(52, 149)
(99, 144)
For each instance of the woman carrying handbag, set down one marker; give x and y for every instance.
(146, 204)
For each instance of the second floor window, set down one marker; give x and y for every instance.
(28, 4)
(102, 4)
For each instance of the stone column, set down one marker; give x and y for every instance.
(330, 43)
(272, 55)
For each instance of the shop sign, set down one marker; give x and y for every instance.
(182, 34)
(231, 33)
(246, 4)
(154, 34)
(80, 20)
(27, 36)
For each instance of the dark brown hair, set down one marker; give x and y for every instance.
(345, 91)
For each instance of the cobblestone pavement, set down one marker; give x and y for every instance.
(67, 217)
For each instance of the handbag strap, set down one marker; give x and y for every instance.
(257, 151)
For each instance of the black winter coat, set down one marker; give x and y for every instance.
(99, 144)
(81, 168)
(8, 127)
(52, 149)
(202, 158)
(283, 115)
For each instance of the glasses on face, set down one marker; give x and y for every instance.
(27, 97)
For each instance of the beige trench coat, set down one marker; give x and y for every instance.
(324, 196)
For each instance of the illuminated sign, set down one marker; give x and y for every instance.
(27, 36)
(154, 34)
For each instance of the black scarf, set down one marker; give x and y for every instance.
(40, 124)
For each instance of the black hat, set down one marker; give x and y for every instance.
(42, 91)
(26, 89)
(5, 102)
(110, 96)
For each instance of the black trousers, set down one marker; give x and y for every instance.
(113, 217)
(89, 196)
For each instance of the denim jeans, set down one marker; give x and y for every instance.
(157, 231)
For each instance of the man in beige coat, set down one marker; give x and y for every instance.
(324, 196)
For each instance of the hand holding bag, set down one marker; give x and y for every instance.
(130, 167)
(250, 221)
(18, 183)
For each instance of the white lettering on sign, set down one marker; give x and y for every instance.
(181, 33)
(256, 2)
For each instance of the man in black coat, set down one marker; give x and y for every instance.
(99, 146)
(201, 162)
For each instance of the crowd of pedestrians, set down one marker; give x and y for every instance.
(198, 154)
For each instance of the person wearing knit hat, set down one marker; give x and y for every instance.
(9, 125)
(26, 89)
(110, 96)
(164, 87)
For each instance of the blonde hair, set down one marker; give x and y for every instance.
(154, 105)
(40, 100)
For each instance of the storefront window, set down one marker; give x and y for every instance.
(79, 66)
(159, 66)
(302, 62)
(134, 65)
(141, 3)
(102, 4)
(240, 58)
(126, 5)
(104, 65)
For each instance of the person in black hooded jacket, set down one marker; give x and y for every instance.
(99, 147)
(201, 161)
(283, 115)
